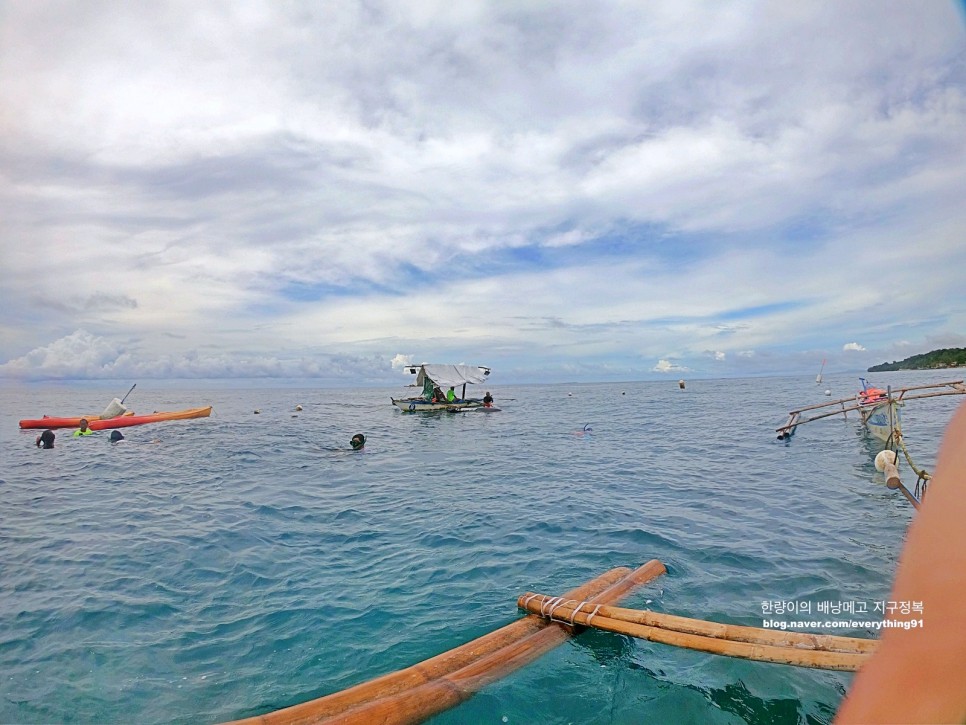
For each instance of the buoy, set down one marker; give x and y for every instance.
(828, 392)
(887, 461)
(885, 457)
(681, 384)
(298, 407)
(257, 411)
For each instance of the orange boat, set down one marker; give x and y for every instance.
(51, 422)
(95, 422)
(124, 421)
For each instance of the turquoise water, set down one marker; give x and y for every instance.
(244, 563)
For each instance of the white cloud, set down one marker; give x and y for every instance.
(666, 366)
(401, 361)
(231, 189)
(853, 346)
(82, 355)
(79, 354)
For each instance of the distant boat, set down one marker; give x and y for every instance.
(818, 378)
(435, 379)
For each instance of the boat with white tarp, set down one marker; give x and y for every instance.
(435, 381)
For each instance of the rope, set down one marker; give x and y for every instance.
(922, 473)
(551, 603)
(896, 442)
(558, 605)
(575, 611)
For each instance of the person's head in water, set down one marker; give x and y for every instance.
(46, 439)
(116, 436)
(357, 441)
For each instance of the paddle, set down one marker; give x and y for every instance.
(128, 393)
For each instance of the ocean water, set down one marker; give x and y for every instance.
(214, 569)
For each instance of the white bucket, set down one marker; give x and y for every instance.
(114, 409)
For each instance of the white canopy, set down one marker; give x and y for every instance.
(452, 375)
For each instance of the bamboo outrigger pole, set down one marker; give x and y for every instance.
(439, 683)
(791, 648)
(893, 481)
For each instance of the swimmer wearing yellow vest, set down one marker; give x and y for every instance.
(84, 430)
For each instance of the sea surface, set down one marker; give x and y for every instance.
(213, 569)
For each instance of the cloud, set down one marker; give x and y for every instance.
(82, 355)
(550, 191)
(666, 366)
(79, 354)
(401, 361)
(853, 346)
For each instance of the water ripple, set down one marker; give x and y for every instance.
(208, 570)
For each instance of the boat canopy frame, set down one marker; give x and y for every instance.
(429, 375)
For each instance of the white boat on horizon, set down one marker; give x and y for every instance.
(435, 379)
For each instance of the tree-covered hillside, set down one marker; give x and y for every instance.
(950, 357)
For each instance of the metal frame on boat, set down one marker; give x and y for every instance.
(433, 378)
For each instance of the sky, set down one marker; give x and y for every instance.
(559, 191)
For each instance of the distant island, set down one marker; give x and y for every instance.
(951, 357)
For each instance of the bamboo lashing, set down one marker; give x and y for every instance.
(422, 690)
(792, 648)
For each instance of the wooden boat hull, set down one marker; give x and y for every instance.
(882, 419)
(52, 422)
(126, 421)
(420, 405)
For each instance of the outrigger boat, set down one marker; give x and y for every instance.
(879, 411)
(435, 379)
